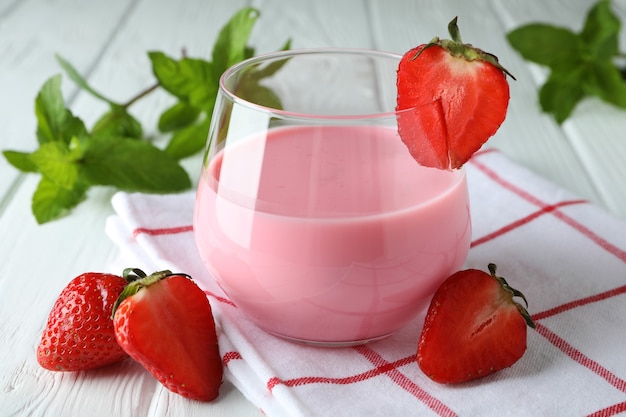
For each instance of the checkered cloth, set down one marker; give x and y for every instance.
(567, 256)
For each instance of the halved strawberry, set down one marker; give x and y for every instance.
(454, 97)
(164, 321)
(473, 328)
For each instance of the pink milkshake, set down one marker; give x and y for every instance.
(329, 234)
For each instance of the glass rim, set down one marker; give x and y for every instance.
(301, 52)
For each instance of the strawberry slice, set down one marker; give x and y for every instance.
(452, 98)
(473, 328)
(164, 321)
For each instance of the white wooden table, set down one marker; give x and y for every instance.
(108, 41)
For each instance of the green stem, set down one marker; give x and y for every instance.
(141, 95)
(453, 30)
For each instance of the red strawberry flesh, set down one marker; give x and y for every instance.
(168, 327)
(457, 98)
(473, 328)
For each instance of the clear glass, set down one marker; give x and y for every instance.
(310, 212)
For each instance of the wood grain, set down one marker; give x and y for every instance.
(108, 41)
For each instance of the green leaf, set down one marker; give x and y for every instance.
(54, 121)
(601, 31)
(270, 69)
(118, 122)
(167, 72)
(581, 64)
(546, 44)
(79, 80)
(200, 75)
(231, 45)
(50, 110)
(57, 162)
(605, 81)
(51, 201)
(178, 116)
(20, 160)
(188, 79)
(256, 93)
(561, 93)
(189, 141)
(132, 165)
(71, 159)
(249, 87)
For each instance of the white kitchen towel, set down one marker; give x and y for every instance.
(565, 254)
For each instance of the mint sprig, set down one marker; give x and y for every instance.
(114, 152)
(583, 64)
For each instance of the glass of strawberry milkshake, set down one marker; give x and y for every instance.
(311, 213)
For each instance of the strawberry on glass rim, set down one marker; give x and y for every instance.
(455, 96)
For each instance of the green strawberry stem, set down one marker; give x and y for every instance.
(137, 280)
(457, 48)
(453, 30)
(513, 293)
(133, 274)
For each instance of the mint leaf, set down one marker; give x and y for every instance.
(250, 88)
(256, 93)
(273, 67)
(601, 31)
(195, 84)
(167, 72)
(204, 85)
(179, 116)
(605, 81)
(57, 163)
(54, 121)
(51, 201)
(118, 122)
(189, 79)
(581, 64)
(560, 94)
(50, 111)
(132, 165)
(79, 80)
(231, 45)
(546, 45)
(20, 160)
(70, 158)
(189, 141)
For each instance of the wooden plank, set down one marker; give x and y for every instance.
(313, 24)
(121, 67)
(7, 7)
(31, 32)
(108, 41)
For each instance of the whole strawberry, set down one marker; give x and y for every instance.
(451, 99)
(164, 321)
(79, 332)
(473, 328)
